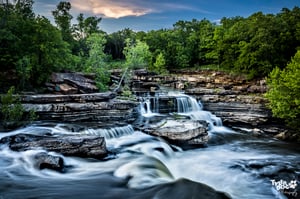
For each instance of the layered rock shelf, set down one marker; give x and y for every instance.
(239, 102)
(90, 107)
(233, 107)
(81, 146)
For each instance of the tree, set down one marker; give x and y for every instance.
(86, 26)
(159, 65)
(137, 54)
(24, 8)
(63, 19)
(96, 60)
(116, 42)
(284, 92)
(48, 52)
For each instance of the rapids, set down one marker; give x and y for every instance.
(140, 165)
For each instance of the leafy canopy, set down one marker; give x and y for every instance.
(284, 92)
(137, 54)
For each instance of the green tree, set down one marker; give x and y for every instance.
(12, 113)
(284, 92)
(137, 54)
(96, 60)
(63, 19)
(116, 42)
(86, 26)
(159, 65)
(48, 53)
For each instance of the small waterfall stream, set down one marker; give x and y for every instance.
(236, 163)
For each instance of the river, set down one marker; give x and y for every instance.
(143, 166)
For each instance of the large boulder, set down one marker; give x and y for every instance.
(181, 132)
(81, 146)
(44, 160)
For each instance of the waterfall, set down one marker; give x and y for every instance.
(146, 109)
(188, 105)
(184, 105)
(110, 133)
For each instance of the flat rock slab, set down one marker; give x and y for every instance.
(182, 132)
(81, 146)
(79, 98)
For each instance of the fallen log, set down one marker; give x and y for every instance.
(81, 146)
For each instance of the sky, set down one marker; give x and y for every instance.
(145, 15)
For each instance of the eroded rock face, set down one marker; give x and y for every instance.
(81, 146)
(71, 83)
(100, 107)
(181, 132)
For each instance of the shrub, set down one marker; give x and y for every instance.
(284, 92)
(12, 111)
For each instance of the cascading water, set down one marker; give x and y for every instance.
(243, 166)
(187, 106)
(114, 132)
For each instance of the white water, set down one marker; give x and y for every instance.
(187, 106)
(150, 161)
(142, 161)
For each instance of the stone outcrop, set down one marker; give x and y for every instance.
(100, 107)
(81, 146)
(181, 132)
(72, 83)
(233, 107)
(235, 99)
(44, 160)
(183, 188)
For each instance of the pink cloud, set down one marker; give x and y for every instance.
(111, 8)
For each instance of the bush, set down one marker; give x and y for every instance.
(12, 111)
(284, 92)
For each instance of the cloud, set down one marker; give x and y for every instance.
(112, 8)
(124, 8)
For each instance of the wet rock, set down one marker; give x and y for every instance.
(184, 188)
(181, 132)
(47, 161)
(80, 146)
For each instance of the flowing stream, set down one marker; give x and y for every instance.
(236, 163)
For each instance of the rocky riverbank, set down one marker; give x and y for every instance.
(92, 107)
(237, 101)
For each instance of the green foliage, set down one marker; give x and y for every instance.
(284, 92)
(137, 54)
(63, 19)
(96, 60)
(31, 48)
(127, 93)
(159, 65)
(12, 111)
(49, 53)
(85, 26)
(24, 68)
(116, 43)
(11, 108)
